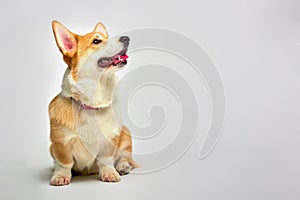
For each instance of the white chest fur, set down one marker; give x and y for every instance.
(94, 132)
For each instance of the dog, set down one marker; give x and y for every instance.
(86, 131)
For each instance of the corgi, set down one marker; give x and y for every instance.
(86, 131)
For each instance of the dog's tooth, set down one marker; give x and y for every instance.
(104, 61)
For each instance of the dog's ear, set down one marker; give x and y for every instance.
(101, 29)
(65, 39)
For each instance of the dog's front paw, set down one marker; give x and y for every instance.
(58, 180)
(109, 174)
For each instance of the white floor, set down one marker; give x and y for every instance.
(254, 44)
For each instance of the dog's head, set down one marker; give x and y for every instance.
(92, 59)
(94, 52)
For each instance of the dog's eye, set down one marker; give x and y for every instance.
(97, 41)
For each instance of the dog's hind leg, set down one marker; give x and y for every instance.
(124, 162)
(125, 165)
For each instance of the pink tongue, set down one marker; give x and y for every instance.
(124, 57)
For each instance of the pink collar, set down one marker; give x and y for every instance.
(83, 106)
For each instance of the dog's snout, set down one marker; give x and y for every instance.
(124, 39)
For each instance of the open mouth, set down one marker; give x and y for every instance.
(118, 60)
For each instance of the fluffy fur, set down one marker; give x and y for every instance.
(82, 140)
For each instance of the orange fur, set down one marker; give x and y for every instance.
(123, 143)
(61, 152)
(61, 112)
(123, 140)
(61, 116)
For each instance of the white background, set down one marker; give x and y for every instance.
(254, 44)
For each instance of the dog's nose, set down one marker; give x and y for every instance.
(124, 39)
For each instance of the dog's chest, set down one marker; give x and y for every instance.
(93, 135)
(96, 129)
(90, 133)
